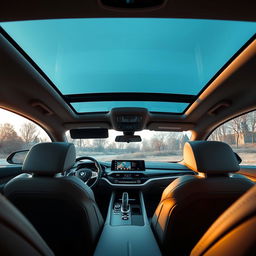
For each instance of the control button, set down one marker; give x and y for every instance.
(125, 218)
(117, 206)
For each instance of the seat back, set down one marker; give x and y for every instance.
(191, 203)
(234, 232)
(62, 209)
(17, 235)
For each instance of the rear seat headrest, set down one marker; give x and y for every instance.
(211, 157)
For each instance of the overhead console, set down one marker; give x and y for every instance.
(129, 119)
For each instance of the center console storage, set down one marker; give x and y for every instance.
(127, 230)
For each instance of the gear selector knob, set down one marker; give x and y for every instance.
(125, 203)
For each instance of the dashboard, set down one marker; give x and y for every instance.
(138, 173)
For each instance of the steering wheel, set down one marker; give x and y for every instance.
(86, 174)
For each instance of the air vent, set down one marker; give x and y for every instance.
(132, 4)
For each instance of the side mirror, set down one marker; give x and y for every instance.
(239, 159)
(17, 157)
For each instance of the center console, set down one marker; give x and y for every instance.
(127, 209)
(127, 229)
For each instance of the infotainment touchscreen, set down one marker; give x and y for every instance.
(123, 166)
(128, 165)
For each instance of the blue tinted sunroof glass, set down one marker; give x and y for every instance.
(152, 55)
(105, 106)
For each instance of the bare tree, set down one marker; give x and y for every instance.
(99, 144)
(252, 124)
(121, 145)
(158, 141)
(172, 141)
(223, 132)
(244, 127)
(9, 140)
(29, 132)
(43, 139)
(183, 140)
(146, 145)
(235, 126)
(7, 132)
(220, 134)
(112, 146)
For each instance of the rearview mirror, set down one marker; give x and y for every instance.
(17, 157)
(89, 133)
(128, 138)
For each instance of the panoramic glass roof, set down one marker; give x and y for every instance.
(103, 106)
(111, 55)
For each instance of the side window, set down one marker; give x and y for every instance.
(240, 134)
(18, 133)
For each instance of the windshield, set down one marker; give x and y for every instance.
(155, 146)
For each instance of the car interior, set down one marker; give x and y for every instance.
(140, 131)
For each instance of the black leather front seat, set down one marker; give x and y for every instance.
(17, 235)
(191, 203)
(62, 209)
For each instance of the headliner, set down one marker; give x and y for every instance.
(197, 9)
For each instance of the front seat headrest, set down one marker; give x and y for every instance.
(211, 157)
(50, 158)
